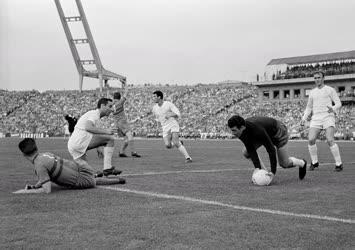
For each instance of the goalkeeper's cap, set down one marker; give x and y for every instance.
(28, 146)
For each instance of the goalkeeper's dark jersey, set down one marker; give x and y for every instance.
(267, 132)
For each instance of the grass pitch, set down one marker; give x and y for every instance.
(167, 204)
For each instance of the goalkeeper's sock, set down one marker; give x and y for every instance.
(296, 162)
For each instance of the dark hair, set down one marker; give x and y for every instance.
(158, 93)
(319, 72)
(117, 95)
(236, 121)
(28, 146)
(103, 101)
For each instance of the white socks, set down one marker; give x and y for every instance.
(108, 152)
(313, 153)
(182, 149)
(296, 162)
(336, 154)
(334, 149)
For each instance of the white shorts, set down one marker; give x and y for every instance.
(78, 143)
(170, 128)
(323, 122)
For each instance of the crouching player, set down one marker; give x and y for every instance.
(255, 132)
(51, 168)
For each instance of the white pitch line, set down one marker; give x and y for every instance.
(186, 171)
(330, 163)
(210, 170)
(216, 203)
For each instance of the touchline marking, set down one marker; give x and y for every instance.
(216, 203)
(186, 171)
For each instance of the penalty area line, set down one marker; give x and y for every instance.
(236, 207)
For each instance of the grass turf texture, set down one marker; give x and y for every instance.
(100, 218)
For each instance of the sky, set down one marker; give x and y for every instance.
(167, 41)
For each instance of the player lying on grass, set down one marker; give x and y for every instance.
(255, 132)
(51, 168)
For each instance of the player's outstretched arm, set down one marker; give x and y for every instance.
(33, 189)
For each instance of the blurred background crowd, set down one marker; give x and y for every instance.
(205, 110)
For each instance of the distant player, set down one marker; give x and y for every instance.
(323, 118)
(166, 113)
(72, 120)
(87, 136)
(259, 131)
(52, 168)
(122, 125)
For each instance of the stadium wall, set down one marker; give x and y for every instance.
(297, 88)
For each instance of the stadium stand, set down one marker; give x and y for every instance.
(204, 108)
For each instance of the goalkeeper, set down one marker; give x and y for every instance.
(51, 168)
(259, 131)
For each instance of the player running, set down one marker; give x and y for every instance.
(259, 131)
(166, 114)
(87, 136)
(122, 124)
(323, 118)
(52, 168)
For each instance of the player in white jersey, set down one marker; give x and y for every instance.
(87, 136)
(166, 114)
(320, 106)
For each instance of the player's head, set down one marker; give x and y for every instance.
(117, 96)
(105, 106)
(237, 125)
(28, 146)
(158, 95)
(318, 77)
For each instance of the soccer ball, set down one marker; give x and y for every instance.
(261, 177)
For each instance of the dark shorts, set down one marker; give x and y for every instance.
(86, 177)
(280, 139)
(122, 127)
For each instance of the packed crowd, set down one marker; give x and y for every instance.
(204, 108)
(300, 71)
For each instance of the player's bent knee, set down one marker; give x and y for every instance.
(312, 141)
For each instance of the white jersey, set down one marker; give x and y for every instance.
(319, 100)
(80, 139)
(162, 111)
